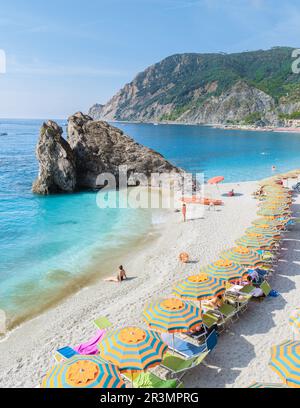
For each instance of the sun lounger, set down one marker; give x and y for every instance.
(247, 289)
(150, 380)
(228, 312)
(102, 323)
(209, 320)
(266, 288)
(64, 353)
(178, 366)
(183, 348)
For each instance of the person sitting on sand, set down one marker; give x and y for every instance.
(231, 193)
(120, 276)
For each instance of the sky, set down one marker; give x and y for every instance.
(64, 56)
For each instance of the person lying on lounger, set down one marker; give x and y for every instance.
(215, 302)
(120, 276)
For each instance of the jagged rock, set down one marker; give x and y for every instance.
(57, 171)
(92, 148)
(96, 111)
(102, 148)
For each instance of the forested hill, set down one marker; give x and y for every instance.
(256, 86)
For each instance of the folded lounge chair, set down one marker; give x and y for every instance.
(266, 288)
(102, 323)
(64, 353)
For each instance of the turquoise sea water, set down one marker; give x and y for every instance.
(46, 243)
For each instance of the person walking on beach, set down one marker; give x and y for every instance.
(183, 210)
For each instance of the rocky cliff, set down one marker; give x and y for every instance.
(210, 88)
(57, 168)
(92, 147)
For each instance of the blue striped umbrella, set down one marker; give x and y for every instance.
(132, 348)
(172, 316)
(83, 372)
(285, 361)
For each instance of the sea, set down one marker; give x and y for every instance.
(48, 244)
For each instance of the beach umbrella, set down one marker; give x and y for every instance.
(172, 315)
(215, 180)
(83, 372)
(132, 348)
(266, 385)
(285, 361)
(271, 213)
(294, 320)
(243, 256)
(275, 223)
(275, 207)
(255, 241)
(265, 230)
(225, 269)
(199, 287)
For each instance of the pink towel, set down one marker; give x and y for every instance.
(91, 347)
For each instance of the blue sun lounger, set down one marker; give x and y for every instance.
(189, 350)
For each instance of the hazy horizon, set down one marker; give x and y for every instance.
(62, 58)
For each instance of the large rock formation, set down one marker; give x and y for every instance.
(92, 148)
(57, 172)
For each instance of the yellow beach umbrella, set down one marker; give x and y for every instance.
(83, 372)
(285, 361)
(268, 232)
(255, 241)
(199, 287)
(172, 316)
(243, 256)
(225, 269)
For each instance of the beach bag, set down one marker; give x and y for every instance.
(274, 293)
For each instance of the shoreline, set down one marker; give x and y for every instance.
(153, 268)
(215, 126)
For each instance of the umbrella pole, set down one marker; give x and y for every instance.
(173, 343)
(131, 379)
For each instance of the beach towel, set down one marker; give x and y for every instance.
(91, 347)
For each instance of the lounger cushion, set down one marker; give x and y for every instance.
(149, 380)
(183, 347)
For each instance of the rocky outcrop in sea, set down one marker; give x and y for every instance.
(92, 148)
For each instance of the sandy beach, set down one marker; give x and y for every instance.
(243, 351)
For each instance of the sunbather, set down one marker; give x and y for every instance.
(215, 302)
(120, 276)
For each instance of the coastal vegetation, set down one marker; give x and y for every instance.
(243, 87)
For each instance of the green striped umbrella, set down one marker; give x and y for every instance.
(267, 385)
(132, 348)
(83, 372)
(266, 232)
(199, 287)
(242, 256)
(285, 361)
(255, 241)
(271, 213)
(225, 269)
(172, 316)
(275, 223)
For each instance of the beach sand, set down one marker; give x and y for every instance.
(242, 354)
